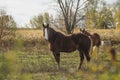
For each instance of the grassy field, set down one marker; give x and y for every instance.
(31, 59)
(42, 66)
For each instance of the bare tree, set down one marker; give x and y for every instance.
(70, 12)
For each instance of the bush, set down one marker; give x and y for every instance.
(10, 68)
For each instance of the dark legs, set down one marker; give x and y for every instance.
(87, 56)
(57, 58)
(81, 53)
(81, 58)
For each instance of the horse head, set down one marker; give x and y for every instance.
(45, 31)
(48, 32)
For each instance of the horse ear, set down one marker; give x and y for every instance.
(43, 25)
(83, 29)
(47, 25)
(80, 29)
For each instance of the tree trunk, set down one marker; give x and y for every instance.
(68, 28)
(69, 31)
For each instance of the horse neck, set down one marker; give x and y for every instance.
(55, 35)
(52, 36)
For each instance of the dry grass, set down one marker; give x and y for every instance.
(106, 34)
(34, 38)
(29, 34)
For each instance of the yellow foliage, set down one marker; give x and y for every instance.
(104, 76)
(11, 56)
(100, 67)
(26, 77)
(93, 68)
(12, 61)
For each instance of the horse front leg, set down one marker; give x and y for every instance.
(57, 58)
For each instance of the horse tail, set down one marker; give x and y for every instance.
(89, 50)
(91, 45)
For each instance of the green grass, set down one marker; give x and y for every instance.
(41, 65)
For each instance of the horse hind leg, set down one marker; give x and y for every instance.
(98, 49)
(97, 52)
(87, 55)
(81, 59)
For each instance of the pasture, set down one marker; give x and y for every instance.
(34, 61)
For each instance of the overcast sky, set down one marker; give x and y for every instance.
(24, 10)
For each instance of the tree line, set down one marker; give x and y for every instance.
(81, 13)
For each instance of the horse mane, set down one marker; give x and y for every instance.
(55, 34)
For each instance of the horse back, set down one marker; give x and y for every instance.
(63, 43)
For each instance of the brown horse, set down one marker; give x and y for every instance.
(96, 41)
(62, 43)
